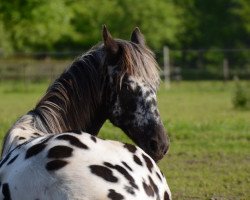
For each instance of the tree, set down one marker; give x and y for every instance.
(33, 24)
(156, 19)
(243, 12)
(209, 23)
(212, 24)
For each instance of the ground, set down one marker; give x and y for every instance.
(209, 157)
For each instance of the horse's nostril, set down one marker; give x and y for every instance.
(153, 145)
(165, 150)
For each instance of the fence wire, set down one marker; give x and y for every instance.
(186, 64)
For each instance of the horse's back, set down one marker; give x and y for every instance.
(80, 167)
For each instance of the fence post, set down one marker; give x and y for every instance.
(225, 69)
(25, 77)
(166, 69)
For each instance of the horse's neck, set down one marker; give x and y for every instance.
(74, 102)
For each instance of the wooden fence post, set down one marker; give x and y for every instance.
(225, 69)
(166, 69)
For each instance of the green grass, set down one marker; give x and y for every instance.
(210, 152)
(209, 157)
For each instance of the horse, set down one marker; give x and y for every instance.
(115, 80)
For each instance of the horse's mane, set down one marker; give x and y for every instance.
(71, 101)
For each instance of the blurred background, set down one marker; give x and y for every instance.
(203, 49)
(207, 39)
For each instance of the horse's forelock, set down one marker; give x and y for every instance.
(138, 61)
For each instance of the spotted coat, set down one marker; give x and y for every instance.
(79, 166)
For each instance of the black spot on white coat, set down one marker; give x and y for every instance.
(60, 151)
(148, 162)
(103, 172)
(6, 191)
(34, 150)
(6, 158)
(113, 195)
(129, 190)
(154, 186)
(158, 175)
(127, 166)
(12, 160)
(130, 147)
(124, 172)
(137, 160)
(73, 141)
(36, 134)
(93, 138)
(37, 148)
(56, 165)
(148, 189)
(166, 196)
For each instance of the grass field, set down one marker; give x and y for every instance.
(209, 157)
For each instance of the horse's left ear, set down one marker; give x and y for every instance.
(109, 43)
(137, 37)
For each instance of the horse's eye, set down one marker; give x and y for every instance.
(126, 92)
(127, 88)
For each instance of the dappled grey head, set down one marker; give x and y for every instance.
(133, 82)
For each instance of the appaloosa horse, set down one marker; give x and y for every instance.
(116, 80)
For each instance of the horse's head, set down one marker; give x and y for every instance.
(133, 81)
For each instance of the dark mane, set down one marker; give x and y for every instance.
(72, 100)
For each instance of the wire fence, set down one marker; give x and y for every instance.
(203, 64)
(188, 64)
(34, 67)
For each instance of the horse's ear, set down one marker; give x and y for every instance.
(109, 43)
(137, 37)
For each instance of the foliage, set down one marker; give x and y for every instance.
(33, 25)
(212, 24)
(240, 98)
(243, 11)
(64, 24)
(158, 21)
(209, 24)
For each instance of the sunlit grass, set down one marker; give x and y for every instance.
(209, 156)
